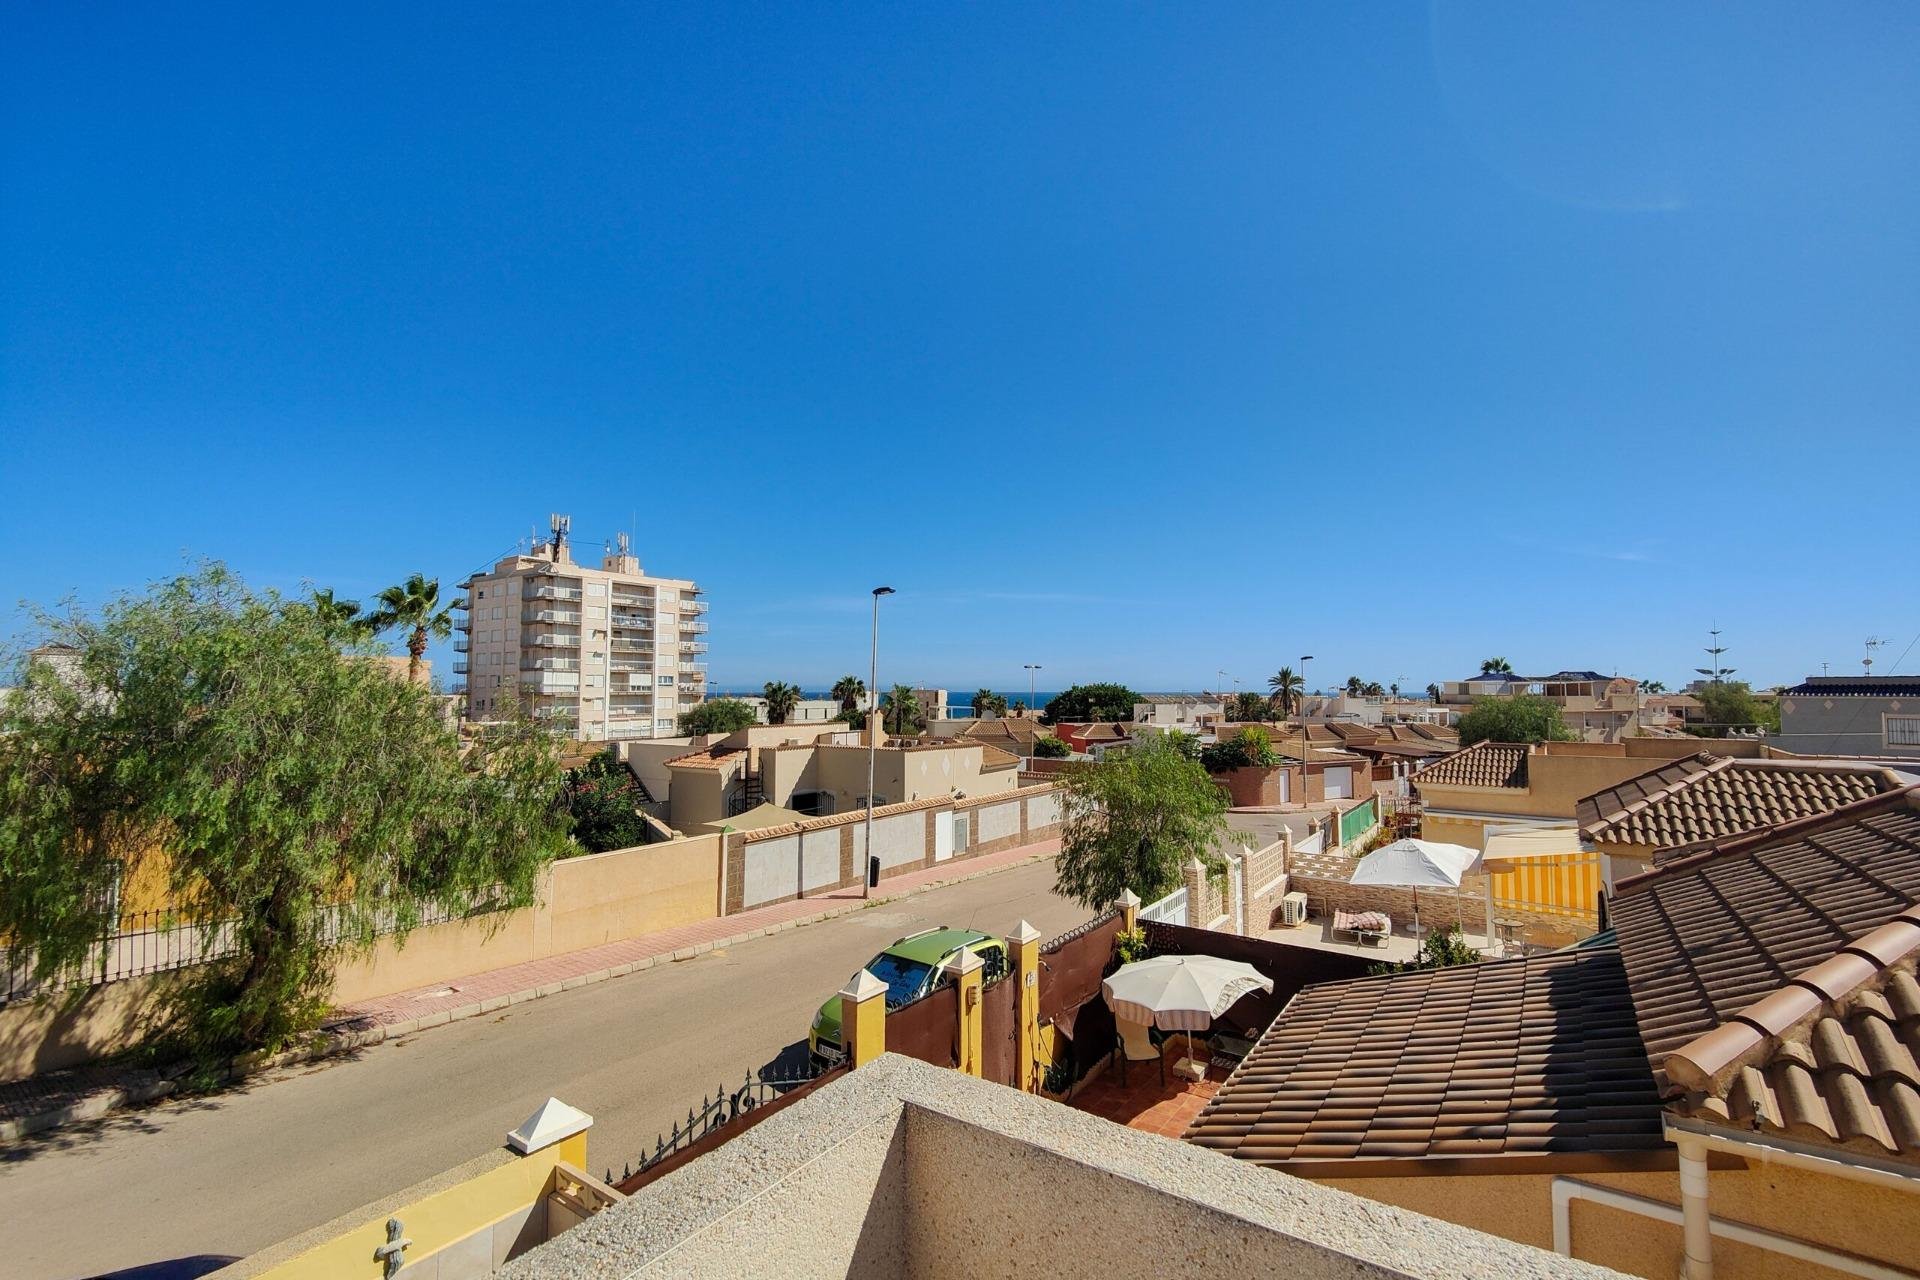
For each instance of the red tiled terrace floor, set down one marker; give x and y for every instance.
(1143, 1102)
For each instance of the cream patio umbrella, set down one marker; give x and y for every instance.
(1415, 864)
(1180, 993)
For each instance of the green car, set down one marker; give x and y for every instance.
(911, 967)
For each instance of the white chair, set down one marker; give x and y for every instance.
(1136, 1045)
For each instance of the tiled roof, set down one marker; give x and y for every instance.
(1707, 797)
(1831, 1057)
(1103, 731)
(1484, 764)
(992, 757)
(1707, 935)
(1856, 687)
(1535, 1056)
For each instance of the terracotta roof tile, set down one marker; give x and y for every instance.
(1708, 937)
(1484, 764)
(706, 758)
(1511, 1057)
(1706, 797)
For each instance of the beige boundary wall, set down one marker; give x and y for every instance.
(819, 855)
(585, 902)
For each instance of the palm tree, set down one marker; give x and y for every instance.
(1394, 689)
(1496, 667)
(988, 703)
(340, 619)
(1286, 686)
(849, 690)
(415, 607)
(1355, 686)
(900, 710)
(1433, 693)
(1653, 686)
(781, 698)
(1372, 689)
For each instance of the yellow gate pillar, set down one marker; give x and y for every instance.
(1024, 942)
(965, 969)
(1129, 910)
(863, 1019)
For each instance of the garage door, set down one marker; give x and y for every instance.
(1340, 783)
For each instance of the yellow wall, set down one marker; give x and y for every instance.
(438, 1220)
(1872, 1221)
(586, 902)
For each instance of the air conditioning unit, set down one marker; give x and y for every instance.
(1293, 910)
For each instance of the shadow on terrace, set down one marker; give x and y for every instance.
(1144, 1078)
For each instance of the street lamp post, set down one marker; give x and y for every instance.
(873, 740)
(1032, 684)
(1305, 658)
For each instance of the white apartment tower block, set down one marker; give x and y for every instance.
(605, 653)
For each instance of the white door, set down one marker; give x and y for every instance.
(1339, 782)
(943, 838)
(1286, 787)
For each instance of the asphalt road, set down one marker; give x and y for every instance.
(168, 1190)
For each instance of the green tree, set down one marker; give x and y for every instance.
(1048, 747)
(1249, 748)
(1088, 702)
(341, 619)
(900, 711)
(1284, 688)
(1355, 686)
(721, 715)
(1134, 822)
(988, 703)
(306, 799)
(1521, 718)
(1728, 706)
(781, 698)
(1186, 744)
(413, 607)
(1496, 667)
(1433, 692)
(603, 799)
(849, 690)
(1653, 686)
(1372, 689)
(1247, 706)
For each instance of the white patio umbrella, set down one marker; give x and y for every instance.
(1415, 864)
(1180, 993)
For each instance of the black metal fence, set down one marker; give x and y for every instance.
(161, 939)
(758, 1090)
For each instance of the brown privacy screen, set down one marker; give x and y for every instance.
(927, 1029)
(1072, 965)
(999, 1027)
(1289, 968)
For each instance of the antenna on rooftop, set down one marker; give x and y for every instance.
(622, 544)
(1715, 673)
(561, 526)
(1873, 642)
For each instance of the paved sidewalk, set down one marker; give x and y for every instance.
(64, 1097)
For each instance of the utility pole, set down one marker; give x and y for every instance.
(873, 740)
(1032, 684)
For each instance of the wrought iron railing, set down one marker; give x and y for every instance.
(725, 1106)
(160, 939)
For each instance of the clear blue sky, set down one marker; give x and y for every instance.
(1141, 343)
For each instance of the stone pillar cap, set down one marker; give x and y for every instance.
(963, 962)
(555, 1121)
(1128, 898)
(1024, 934)
(863, 987)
